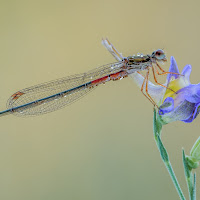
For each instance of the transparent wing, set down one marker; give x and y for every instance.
(50, 96)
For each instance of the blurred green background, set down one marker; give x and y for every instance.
(102, 146)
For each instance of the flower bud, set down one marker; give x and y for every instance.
(195, 151)
(192, 163)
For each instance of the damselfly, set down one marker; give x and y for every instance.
(53, 95)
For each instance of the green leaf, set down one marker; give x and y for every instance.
(185, 164)
(160, 123)
(188, 176)
(157, 123)
(155, 129)
(163, 151)
(195, 151)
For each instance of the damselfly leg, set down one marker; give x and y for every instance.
(140, 63)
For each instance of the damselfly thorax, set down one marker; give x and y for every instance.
(140, 62)
(137, 63)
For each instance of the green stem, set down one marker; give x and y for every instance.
(194, 188)
(169, 167)
(157, 127)
(174, 180)
(188, 177)
(190, 186)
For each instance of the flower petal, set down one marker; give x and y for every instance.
(194, 115)
(173, 68)
(167, 106)
(155, 91)
(191, 93)
(180, 113)
(186, 72)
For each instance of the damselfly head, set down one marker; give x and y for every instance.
(159, 55)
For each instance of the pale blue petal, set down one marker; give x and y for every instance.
(167, 106)
(191, 93)
(194, 114)
(173, 68)
(180, 113)
(186, 72)
(155, 91)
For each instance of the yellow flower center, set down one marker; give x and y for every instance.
(175, 85)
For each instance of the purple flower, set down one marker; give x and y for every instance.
(183, 103)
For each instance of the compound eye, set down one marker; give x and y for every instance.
(160, 55)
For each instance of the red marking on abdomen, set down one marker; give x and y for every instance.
(118, 75)
(100, 80)
(113, 77)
